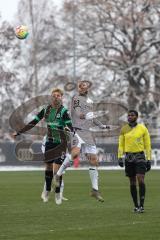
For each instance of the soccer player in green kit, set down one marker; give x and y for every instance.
(135, 145)
(57, 118)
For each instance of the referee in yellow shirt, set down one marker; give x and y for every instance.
(135, 146)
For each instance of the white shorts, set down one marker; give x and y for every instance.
(86, 148)
(43, 144)
(43, 148)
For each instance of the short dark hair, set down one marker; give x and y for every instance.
(89, 83)
(134, 111)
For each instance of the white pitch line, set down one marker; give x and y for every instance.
(108, 225)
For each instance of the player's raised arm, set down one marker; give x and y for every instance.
(31, 124)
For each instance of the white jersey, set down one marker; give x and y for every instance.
(82, 104)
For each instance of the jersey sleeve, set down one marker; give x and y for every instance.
(147, 144)
(67, 120)
(98, 123)
(121, 144)
(31, 124)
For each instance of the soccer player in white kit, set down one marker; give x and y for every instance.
(82, 120)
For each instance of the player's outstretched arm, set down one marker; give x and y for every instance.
(14, 135)
(100, 125)
(30, 125)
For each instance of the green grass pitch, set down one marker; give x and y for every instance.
(24, 216)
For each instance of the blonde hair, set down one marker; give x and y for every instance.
(57, 90)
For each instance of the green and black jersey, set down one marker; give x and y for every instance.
(56, 119)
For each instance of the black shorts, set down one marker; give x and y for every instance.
(135, 163)
(54, 153)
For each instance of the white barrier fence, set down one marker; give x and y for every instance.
(107, 154)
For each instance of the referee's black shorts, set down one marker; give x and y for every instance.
(135, 163)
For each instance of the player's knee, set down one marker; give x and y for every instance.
(75, 152)
(93, 160)
(56, 168)
(132, 180)
(49, 166)
(140, 178)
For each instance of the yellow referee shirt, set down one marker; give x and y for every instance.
(135, 139)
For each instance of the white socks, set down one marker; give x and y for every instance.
(44, 187)
(65, 164)
(62, 187)
(93, 172)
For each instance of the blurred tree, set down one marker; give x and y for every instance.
(113, 43)
(35, 65)
(116, 44)
(41, 51)
(9, 52)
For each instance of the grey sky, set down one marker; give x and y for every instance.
(8, 8)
